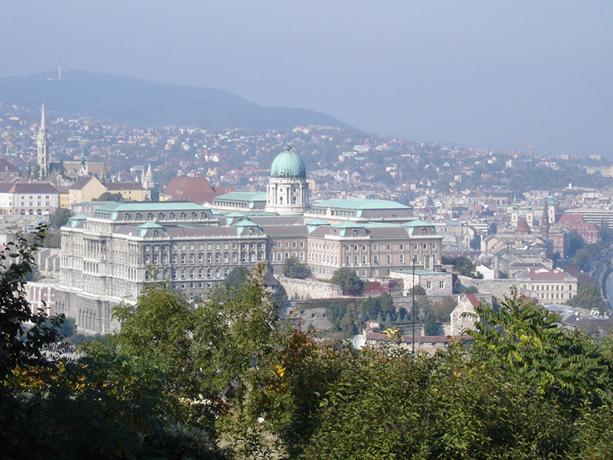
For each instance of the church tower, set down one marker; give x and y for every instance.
(288, 190)
(147, 179)
(41, 146)
(545, 219)
(84, 169)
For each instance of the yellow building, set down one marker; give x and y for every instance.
(64, 197)
(87, 188)
(90, 188)
(129, 191)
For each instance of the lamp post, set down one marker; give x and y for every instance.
(413, 308)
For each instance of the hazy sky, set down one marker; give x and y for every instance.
(503, 74)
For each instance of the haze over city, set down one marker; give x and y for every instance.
(513, 75)
(306, 230)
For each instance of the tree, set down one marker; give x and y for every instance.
(389, 320)
(294, 269)
(59, 218)
(417, 289)
(588, 296)
(463, 266)
(348, 280)
(237, 277)
(110, 196)
(524, 338)
(23, 333)
(430, 323)
(371, 307)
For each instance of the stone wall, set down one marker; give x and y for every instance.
(48, 260)
(309, 288)
(495, 287)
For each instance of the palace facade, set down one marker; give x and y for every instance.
(109, 256)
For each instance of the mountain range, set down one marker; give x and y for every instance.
(146, 103)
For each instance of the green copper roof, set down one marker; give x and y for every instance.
(76, 219)
(245, 223)
(417, 223)
(242, 196)
(288, 164)
(359, 203)
(318, 222)
(366, 225)
(148, 225)
(161, 206)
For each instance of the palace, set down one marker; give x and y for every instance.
(110, 256)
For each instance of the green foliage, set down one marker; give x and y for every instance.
(231, 331)
(348, 280)
(67, 328)
(292, 268)
(110, 196)
(463, 266)
(59, 218)
(228, 380)
(237, 277)
(588, 296)
(417, 289)
(524, 339)
(442, 307)
(349, 315)
(431, 326)
(23, 333)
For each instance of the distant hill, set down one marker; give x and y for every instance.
(145, 103)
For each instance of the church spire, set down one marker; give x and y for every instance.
(545, 218)
(147, 179)
(41, 146)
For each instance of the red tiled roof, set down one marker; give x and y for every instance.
(32, 187)
(196, 189)
(473, 300)
(382, 337)
(577, 221)
(572, 219)
(522, 226)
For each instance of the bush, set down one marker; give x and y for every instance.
(348, 280)
(294, 269)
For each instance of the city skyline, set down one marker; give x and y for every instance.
(540, 79)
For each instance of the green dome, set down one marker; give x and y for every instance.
(288, 164)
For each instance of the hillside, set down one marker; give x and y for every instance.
(145, 103)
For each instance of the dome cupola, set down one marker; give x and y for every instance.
(288, 164)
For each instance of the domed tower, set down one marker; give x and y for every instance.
(288, 190)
